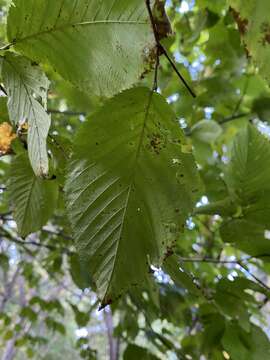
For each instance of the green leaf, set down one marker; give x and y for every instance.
(27, 88)
(82, 318)
(32, 199)
(248, 236)
(248, 174)
(79, 275)
(100, 46)
(261, 106)
(180, 277)
(206, 131)
(134, 352)
(129, 189)
(254, 26)
(242, 345)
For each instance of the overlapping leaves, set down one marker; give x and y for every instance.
(129, 189)
(32, 199)
(254, 26)
(27, 87)
(100, 46)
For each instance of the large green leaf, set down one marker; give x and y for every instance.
(248, 174)
(32, 199)
(254, 25)
(101, 46)
(129, 189)
(27, 88)
(248, 236)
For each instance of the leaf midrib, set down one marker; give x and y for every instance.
(72, 25)
(131, 183)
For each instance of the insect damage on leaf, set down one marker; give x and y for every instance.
(265, 29)
(6, 137)
(241, 22)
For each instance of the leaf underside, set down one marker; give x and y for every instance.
(27, 88)
(100, 46)
(129, 189)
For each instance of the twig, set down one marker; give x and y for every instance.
(207, 260)
(7, 46)
(162, 51)
(253, 276)
(3, 89)
(66, 112)
(10, 237)
(234, 117)
(57, 233)
(177, 72)
(232, 262)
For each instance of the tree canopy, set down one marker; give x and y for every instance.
(134, 179)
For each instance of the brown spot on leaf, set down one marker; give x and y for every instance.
(156, 143)
(265, 29)
(169, 252)
(149, 58)
(241, 22)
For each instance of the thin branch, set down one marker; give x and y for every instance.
(254, 276)
(3, 89)
(234, 117)
(162, 51)
(207, 260)
(232, 262)
(178, 73)
(10, 237)
(57, 233)
(6, 47)
(66, 112)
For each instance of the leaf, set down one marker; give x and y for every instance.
(242, 345)
(32, 199)
(134, 352)
(180, 277)
(248, 236)
(248, 174)
(79, 275)
(261, 106)
(254, 26)
(100, 46)
(206, 131)
(129, 189)
(27, 87)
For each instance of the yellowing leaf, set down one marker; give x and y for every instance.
(6, 137)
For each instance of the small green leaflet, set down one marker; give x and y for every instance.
(27, 88)
(254, 25)
(129, 189)
(248, 173)
(32, 199)
(100, 46)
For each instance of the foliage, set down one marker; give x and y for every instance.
(122, 191)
